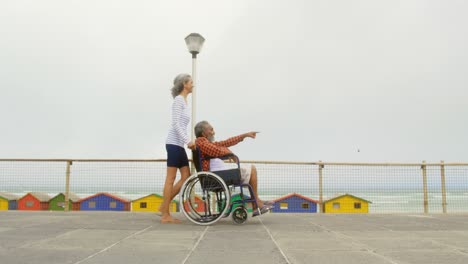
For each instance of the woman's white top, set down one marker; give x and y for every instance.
(180, 120)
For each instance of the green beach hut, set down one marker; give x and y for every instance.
(58, 202)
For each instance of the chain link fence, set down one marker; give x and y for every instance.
(333, 187)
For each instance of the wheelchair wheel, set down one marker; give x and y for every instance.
(239, 215)
(204, 198)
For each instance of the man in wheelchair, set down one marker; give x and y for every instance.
(208, 147)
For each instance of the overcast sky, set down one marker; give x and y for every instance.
(322, 80)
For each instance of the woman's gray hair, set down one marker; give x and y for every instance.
(179, 82)
(199, 128)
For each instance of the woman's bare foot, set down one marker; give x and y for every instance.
(169, 220)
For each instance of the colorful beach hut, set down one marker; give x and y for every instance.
(295, 203)
(57, 203)
(346, 203)
(34, 201)
(104, 202)
(198, 204)
(8, 201)
(151, 203)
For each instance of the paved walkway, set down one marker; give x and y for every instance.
(126, 237)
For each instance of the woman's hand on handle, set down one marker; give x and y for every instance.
(191, 145)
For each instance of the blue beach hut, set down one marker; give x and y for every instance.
(295, 203)
(104, 202)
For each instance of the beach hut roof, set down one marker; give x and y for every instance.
(72, 196)
(42, 197)
(346, 194)
(153, 194)
(8, 196)
(143, 197)
(296, 195)
(116, 197)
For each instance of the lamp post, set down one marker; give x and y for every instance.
(194, 43)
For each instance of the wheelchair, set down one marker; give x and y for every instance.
(206, 197)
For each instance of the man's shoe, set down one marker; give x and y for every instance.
(265, 209)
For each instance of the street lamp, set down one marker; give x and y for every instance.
(194, 43)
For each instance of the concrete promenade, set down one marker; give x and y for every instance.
(131, 238)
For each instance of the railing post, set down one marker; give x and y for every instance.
(67, 186)
(321, 186)
(424, 174)
(442, 181)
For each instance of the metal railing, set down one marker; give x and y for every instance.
(388, 187)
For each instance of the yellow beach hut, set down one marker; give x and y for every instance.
(151, 203)
(346, 203)
(8, 201)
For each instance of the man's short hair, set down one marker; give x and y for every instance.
(199, 128)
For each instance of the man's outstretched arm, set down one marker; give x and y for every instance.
(234, 140)
(229, 142)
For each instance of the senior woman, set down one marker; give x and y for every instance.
(176, 141)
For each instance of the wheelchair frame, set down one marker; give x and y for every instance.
(203, 198)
